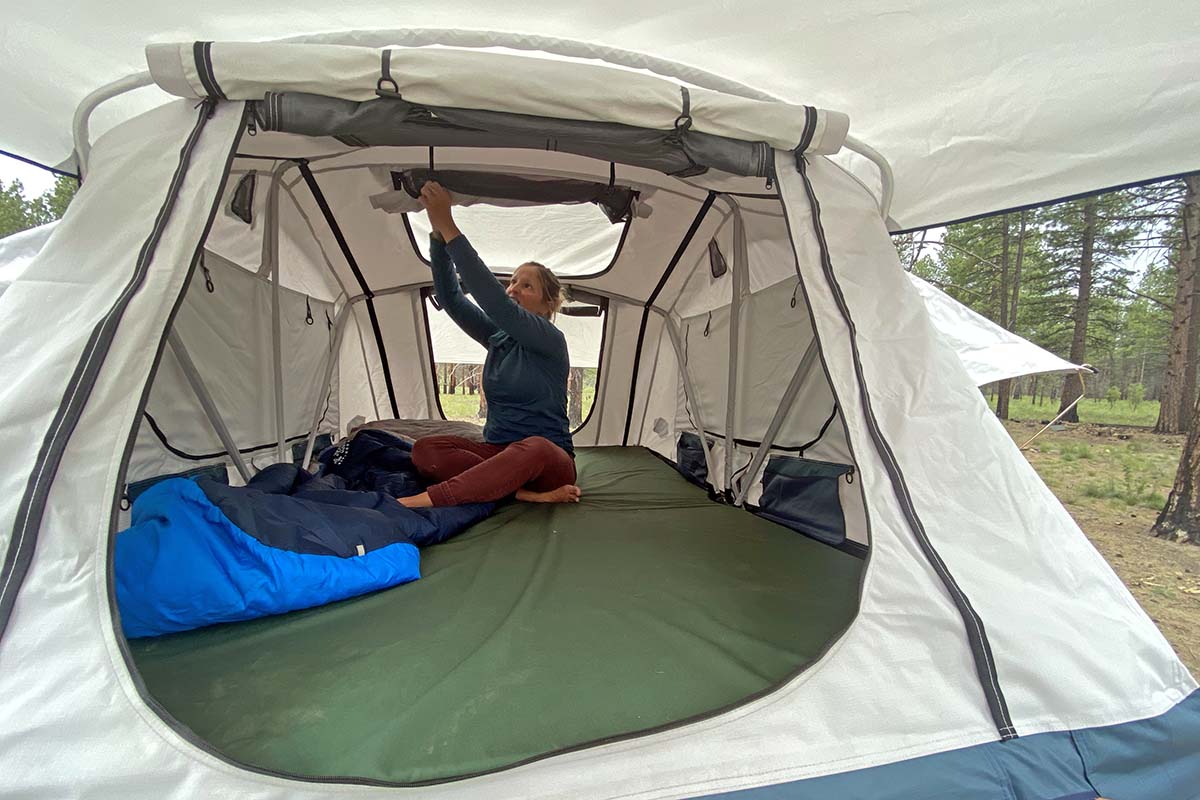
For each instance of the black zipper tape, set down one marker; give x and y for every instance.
(33, 502)
(981, 650)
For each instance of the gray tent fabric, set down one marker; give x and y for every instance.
(393, 121)
(615, 201)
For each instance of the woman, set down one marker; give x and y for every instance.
(528, 447)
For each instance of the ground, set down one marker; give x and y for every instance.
(1113, 480)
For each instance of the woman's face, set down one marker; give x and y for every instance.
(526, 288)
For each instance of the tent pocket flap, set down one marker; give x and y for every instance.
(689, 459)
(803, 495)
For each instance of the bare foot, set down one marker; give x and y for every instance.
(563, 494)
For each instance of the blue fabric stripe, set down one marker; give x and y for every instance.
(1153, 759)
(183, 564)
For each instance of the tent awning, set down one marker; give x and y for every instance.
(989, 352)
(978, 108)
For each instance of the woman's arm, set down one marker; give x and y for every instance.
(529, 329)
(465, 314)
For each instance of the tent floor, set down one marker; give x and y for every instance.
(540, 628)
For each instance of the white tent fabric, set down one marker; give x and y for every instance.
(978, 107)
(453, 78)
(18, 251)
(988, 352)
(812, 326)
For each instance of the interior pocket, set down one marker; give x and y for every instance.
(689, 459)
(803, 495)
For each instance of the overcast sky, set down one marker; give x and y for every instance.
(35, 179)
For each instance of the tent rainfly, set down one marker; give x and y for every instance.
(222, 289)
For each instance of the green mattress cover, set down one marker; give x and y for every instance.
(541, 628)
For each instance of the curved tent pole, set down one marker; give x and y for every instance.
(886, 179)
(553, 45)
(83, 112)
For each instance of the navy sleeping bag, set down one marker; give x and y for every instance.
(200, 552)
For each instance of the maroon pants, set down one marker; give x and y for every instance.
(475, 472)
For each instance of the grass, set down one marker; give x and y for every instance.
(1116, 473)
(1091, 410)
(466, 406)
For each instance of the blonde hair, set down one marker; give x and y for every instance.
(552, 289)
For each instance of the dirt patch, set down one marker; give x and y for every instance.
(1113, 480)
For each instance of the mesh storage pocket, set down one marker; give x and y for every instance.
(803, 495)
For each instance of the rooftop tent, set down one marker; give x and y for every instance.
(758, 316)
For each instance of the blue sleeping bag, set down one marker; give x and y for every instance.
(200, 552)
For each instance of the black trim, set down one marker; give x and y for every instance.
(1042, 203)
(709, 199)
(311, 181)
(33, 163)
(599, 367)
(175, 451)
(976, 635)
(202, 54)
(821, 434)
(810, 128)
(33, 502)
(412, 239)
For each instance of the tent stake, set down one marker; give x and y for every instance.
(206, 402)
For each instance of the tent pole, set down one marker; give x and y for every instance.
(735, 306)
(270, 262)
(206, 402)
(83, 113)
(785, 406)
(331, 360)
(886, 181)
(689, 390)
(277, 358)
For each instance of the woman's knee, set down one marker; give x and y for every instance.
(539, 445)
(425, 452)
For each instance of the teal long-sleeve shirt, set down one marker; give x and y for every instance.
(525, 372)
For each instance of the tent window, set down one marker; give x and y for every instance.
(716, 261)
(458, 362)
(242, 204)
(574, 241)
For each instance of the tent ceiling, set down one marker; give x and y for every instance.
(978, 107)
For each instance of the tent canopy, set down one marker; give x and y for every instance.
(977, 108)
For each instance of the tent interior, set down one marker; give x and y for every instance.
(721, 539)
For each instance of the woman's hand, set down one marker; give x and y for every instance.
(437, 204)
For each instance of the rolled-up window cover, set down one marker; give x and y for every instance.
(501, 82)
(468, 188)
(393, 121)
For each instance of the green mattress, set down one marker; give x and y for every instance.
(538, 629)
